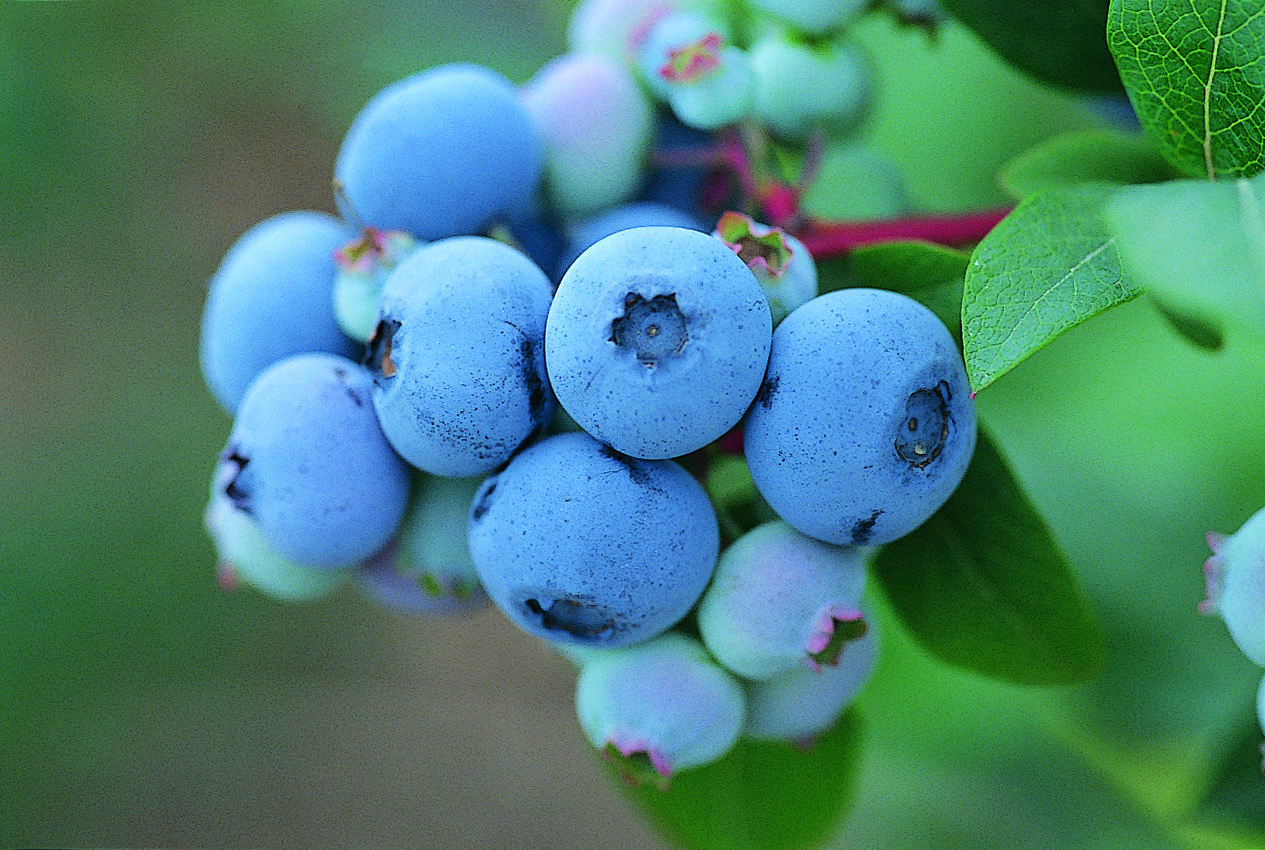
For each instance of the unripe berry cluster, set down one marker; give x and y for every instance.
(520, 367)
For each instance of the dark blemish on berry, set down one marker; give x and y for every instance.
(579, 618)
(235, 488)
(863, 529)
(378, 351)
(537, 397)
(630, 464)
(925, 429)
(352, 393)
(768, 389)
(485, 502)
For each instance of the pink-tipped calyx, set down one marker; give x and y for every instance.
(226, 578)
(764, 249)
(695, 61)
(374, 248)
(638, 762)
(1214, 574)
(835, 628)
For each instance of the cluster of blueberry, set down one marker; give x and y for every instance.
(461, 399)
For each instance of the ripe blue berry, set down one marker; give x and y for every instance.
(781, 600)
(864, 425)
(307, 461)
(589, 231)
(271, 297)
(683, 174)
(444, 152)
(577, 543)
(458, 355)
(657, 340)
(662, 706)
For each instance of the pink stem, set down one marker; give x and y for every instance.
(830, 239)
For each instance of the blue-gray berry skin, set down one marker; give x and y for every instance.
(657, 340)
(271, 297)
(458, 356)
(579, 544)
(865, 424)
(587, 232)
(307, 460)
(444, 152)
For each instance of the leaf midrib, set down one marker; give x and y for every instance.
(1212, 72)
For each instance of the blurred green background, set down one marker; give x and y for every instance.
(140, 706)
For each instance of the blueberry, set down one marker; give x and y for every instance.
(271, 297)
(657, 340)
(612, 28)
(661, 707)
(427, 568)
(596, 125)
(246, 555)
(720, 96)
(864, 425)
(1235, 575)
(458, 356)
(444, 152)
(586, 232)
(780, 600)
(685, 172)
(802, 703)
(669, 48)
(363, 266)
(307, 461)
(577, 543)
(802, 87)
(779, 261)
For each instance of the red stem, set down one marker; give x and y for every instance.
(826, 239)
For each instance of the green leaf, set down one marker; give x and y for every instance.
(928, 273)
(1198, 248)
(1195, 72)
(1057, 41)
(763, 795)
(1083, 157)
(1194, 330)
(1046, 268)
(982, 584)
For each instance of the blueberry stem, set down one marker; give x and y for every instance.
(825, 239)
